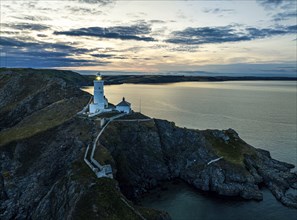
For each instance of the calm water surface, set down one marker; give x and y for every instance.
(262, 112)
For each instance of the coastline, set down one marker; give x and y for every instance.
(161, 79)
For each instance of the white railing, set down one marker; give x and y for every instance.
(101, 170)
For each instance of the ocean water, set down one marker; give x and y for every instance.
(262, 112)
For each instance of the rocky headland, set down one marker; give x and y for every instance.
(43, 141)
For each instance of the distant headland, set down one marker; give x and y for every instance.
(159, 79)
(154, 79)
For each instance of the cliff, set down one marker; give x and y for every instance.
(43, 141)
(147, 153)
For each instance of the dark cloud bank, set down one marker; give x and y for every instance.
(208, 35)
(26, 26)
(18, 53)
(134, 32)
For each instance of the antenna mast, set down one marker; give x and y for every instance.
(140, 105)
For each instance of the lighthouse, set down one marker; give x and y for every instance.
(100, 103)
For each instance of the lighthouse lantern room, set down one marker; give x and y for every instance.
(100, 103)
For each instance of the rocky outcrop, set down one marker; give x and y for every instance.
(275, 175)
(148, 153)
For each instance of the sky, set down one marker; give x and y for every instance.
(229, 37)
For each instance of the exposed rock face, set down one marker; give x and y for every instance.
(149, 152)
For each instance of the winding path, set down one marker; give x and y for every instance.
(214, 160)
(96, 167)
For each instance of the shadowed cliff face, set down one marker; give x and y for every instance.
(147, 153)
(42, 144)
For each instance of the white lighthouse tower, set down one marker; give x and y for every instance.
(100, 103)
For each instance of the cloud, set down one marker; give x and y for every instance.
(218, 10)
(210, 35)
(78, 10)
(100, 2)
(47, 54)
(5, 41)
(42, 54)
(183, 48)
(284, 16)
(26, 26)
(9, 32)
(102, 55)
(157, 21)
(32, 18)
(270, 4)
(41, 35)
(273, 4)
(23, 60)
(206, 35)
(10, 43)
(134, 32)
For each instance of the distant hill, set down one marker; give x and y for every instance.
(158, 79)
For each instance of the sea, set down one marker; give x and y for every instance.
(262, 112)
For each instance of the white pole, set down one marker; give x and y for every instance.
(140, 105)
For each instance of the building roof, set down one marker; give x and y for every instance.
(124, 103)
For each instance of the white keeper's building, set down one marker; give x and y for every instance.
(124, 106)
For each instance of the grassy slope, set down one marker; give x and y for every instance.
(233, 151)
(58, 108)
(69, 76)
(49, 117)
(104, 200)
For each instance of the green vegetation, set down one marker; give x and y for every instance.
(69, 76)
(111, 130)
(82, 172)
(135, 115)
(149, 213)
(123, 167)
(232, 151)
(49, 117)
(108, 114)
(104, 201)
(102, 155)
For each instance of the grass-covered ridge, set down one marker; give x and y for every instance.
(35, 100)
(233, 150)
(47, 118)
(25, 91)
(69, 76)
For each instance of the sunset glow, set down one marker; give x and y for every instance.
(150, 36)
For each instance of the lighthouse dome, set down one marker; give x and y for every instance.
(98, 76)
